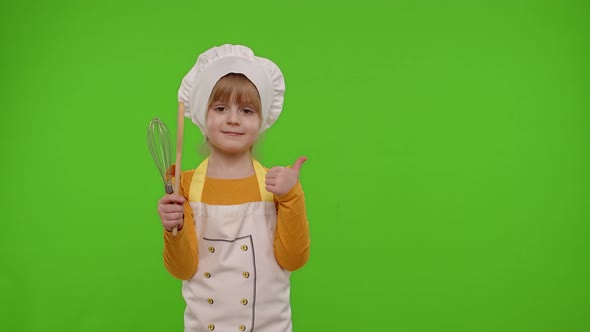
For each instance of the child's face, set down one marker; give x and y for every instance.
(232, 127)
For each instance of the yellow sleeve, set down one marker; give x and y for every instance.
(180, 251)
(291, 242)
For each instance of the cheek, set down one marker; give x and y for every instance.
(211, 119)
(257, 123)
(209, 125)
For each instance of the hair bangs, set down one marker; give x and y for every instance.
(236, 88)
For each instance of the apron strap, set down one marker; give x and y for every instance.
(198, 182)
(261, 176)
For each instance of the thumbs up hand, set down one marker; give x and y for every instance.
(280, 180)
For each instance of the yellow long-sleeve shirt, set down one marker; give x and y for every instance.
(291, 240)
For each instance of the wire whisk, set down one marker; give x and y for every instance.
(159, 143)
(158, 139)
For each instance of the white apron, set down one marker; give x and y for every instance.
(239, 285)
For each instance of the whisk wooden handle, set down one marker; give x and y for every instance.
(177, 169)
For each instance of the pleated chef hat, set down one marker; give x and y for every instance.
(217, 62)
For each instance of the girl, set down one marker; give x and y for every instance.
(242, 228)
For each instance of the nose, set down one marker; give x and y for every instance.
(232, 117)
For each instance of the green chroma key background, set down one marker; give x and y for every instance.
(447, 184)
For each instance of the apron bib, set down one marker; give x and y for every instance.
(238, 286)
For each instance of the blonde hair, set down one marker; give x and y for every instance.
(236, 88)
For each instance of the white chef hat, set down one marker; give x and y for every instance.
(217, 62)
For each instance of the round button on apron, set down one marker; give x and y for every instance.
(244, 247)
(211, 249)
(242, 328)
(244, 302)
(245, 274)
(207, 275)
(211, 327)
(210, 300)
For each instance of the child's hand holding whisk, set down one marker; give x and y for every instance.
(171, 211)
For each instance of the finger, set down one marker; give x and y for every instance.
(275, 170)
(172, 199)
(299, 162)
(168, 199)
(171, 208)
(270, 182)
(270, 188)
(173, 217)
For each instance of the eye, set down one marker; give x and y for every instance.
(248, 111)
(219, 108)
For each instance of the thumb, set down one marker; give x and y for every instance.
(299, 162)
